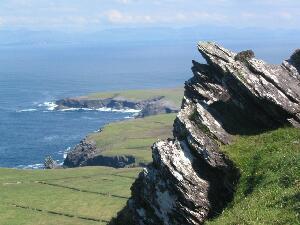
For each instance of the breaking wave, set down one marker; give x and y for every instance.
(27, 110)
(49, 105)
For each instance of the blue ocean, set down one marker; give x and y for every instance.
(32, 78)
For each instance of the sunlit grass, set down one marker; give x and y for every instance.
(269, 188)
(172, 94)
(134, 137)
(76, 196)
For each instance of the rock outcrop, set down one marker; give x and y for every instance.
(148, 107)
(295, 60)
(87, 154)
(80, 154)
(190, 179)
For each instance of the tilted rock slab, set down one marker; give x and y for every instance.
(190, 179)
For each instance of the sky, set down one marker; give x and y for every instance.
(86, 15)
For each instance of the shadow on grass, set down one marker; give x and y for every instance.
(254, 179)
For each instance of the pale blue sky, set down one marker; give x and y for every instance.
(103, 14)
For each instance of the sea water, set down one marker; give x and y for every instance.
(32, 78)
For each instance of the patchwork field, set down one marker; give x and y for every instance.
(268, 191)
(82, 196)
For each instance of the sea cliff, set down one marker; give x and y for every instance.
(191, 179)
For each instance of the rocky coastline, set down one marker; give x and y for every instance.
(191, 179)
(148, 107)
(86, 152)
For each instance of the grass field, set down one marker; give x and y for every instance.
(134, 137)
(174, 95)
(82, 196)
(268, 191)
(89, 195)
(269, 188)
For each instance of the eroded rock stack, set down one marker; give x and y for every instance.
(190, 179)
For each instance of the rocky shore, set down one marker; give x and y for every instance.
(147, 107)
(155, 102)
(87, 154)
(190, 179)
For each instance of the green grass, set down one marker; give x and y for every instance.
(134, 137)
(267, 193)
(269, 188)
(174, 95)
(64, 197)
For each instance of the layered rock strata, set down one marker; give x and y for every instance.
(190, 179)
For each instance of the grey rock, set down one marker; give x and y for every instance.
(50, 163)
(158, 107)
(295, 59)
(148, 107)
(81, 153)
(87, 154)
(244, 55)
(190, 179)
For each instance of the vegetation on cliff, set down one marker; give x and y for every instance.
(134, 137)
(120, 144)
(269, 188)
(267, 193)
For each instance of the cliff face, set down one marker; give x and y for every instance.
(148, 107)
(87, 154)
(190, 179)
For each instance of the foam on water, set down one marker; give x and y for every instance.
(65, 152)
(27, 110)
(126, 110)
(33, 166)
(49, 105)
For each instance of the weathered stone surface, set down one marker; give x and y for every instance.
(190, 179)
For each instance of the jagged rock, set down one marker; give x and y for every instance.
(111, 161)
(50, 163)
(190, 179)
(158, 107)
(244, 55)
(81, 154)
(295, 59)
(87, 154)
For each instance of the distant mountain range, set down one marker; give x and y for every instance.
(22, 37)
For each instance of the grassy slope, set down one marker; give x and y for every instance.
(268, 191)
(172, 94)
(134, 137)
(104, 191)
(72, 196)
